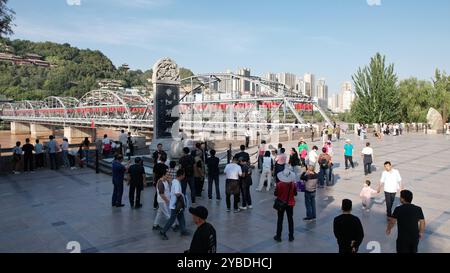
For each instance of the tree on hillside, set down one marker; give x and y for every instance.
(377, 98)
(6, 18)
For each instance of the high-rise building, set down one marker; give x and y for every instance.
(288, 79)
(322, 93)
(245, 85)
(309, 85)
(346, 86)
(271, 77)
(300, 86)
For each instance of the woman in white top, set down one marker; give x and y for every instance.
(312, 156)
(267, 168)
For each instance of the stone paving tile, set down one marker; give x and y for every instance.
(43, 211)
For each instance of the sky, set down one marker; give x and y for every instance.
(330, 38)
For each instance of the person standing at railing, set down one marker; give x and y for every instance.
(123, 140)
(52, 148)
(65, 152)
(27, 149)
(39, 154)
(85, 145)
(17, 157)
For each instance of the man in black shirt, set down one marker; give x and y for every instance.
(348, 229)
(213, 174)
(136, 178)
(243, 154)
(204, 240)
(157, 154)
(159, 170)
(27, 149)
(410, 223)
(187, 165)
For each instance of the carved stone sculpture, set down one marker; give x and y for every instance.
(434, 119)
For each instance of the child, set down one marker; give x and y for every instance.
(366, 195)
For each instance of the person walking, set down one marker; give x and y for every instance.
(204, 240)
(310, 179)
(187, 165)
(118, 175)
(159, 170)
(338, 132)
(163, 190)
(136, 178)
(330, 133)
(267, 170)
(65, 152)
(247, 137)
(367, 154)
(410, 224)
(106, 146)
(39, 154)
(27, 149)
(366, 195)
(280, 162)
(212, 163)
(303, 151)
(232, 172)
(123, 141)
(348, 154)
(243, 154)
(199, 176)
(52, 147)
(392, 182)
(17, 157)
(313, 155)
(245, 182)
(325, 165)
(285, 192)
(348, 229)
(130, 146)
(261, 151)
(295, 162)
(177, 206)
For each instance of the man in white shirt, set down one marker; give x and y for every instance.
(123, 139)
(175, 193)
(392, 182)
(232, 172)
(367, 154)
(247, 137)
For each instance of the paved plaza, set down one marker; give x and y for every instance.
(43, 211)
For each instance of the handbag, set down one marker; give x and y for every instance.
(281, 204)
(179, 204)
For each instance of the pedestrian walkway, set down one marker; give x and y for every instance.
(43, 211)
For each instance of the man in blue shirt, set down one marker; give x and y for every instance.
(52, 149)
(118, 174)
(348, 154)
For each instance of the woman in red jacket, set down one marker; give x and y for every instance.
(285, 191)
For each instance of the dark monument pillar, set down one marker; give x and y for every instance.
(166, 88)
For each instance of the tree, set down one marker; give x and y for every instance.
(441, 100)
(6, 18)
(377, 98)
(415, 99)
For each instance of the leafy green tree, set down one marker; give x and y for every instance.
(6, 19)
(415, 99)
(377, 97)
(441, 99)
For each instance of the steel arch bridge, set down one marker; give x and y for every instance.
(221, 106)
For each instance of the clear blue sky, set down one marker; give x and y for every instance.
(330, 38)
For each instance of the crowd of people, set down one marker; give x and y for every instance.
(305, 170)
(35, 156)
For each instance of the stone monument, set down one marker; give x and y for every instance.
(434, 119)
(166, 117)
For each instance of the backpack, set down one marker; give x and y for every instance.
(323, 163)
